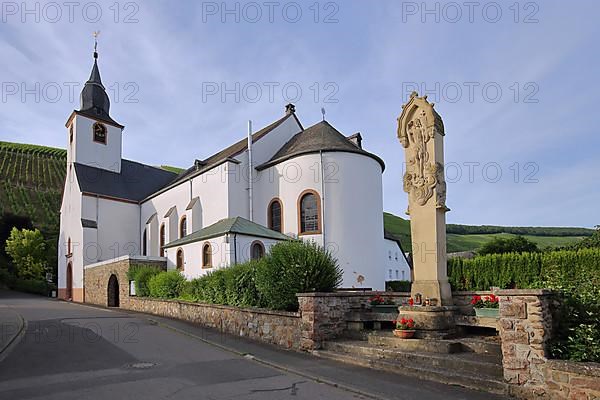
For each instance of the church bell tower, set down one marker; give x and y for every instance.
(94, 138)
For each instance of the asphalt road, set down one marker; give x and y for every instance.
(72, 351)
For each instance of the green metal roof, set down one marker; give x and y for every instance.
(237, 225)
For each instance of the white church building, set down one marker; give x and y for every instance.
(281, 182)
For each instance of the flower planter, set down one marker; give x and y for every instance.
(385, 308)
(404, 333)
(487, 312)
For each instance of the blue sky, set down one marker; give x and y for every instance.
(515, 82)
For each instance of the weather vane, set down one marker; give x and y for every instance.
(323, 112)
(96, 34)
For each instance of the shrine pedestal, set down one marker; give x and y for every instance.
(431, 322)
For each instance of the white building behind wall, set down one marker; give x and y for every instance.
(311, 183)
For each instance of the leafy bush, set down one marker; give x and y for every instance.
(295, 267)
(32, 286)
(142, 274)
(517, 244)
(235, 286)
(398, 286)
(576, 275)
(166, 285)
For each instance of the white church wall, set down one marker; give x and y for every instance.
(70, 227)
(262, 151)
(86, 151)
(118, 228)
(223, 254)
(192, 253)
(353, 209)
(209, 186)
(244, 245)
(395, 267)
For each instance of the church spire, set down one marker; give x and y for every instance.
(93, 97)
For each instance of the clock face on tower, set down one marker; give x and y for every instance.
(99, 133)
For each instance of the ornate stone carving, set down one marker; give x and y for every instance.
(417, 126)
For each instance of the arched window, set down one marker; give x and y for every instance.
(274, 217)
(257, 250)
(206, 255)
(180, 260)
(183, 227)
(69, 247)
(309, 213)
(144, 243)
(99, 133)
(162, 240)
(71, 134)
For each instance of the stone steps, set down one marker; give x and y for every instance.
(471, 370)
(441, 346)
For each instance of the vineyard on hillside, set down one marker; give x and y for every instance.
(32, 178)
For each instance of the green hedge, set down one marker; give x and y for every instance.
(574, 274)
(272, 282)
(398, 286)
(166, 284)
(142, 274)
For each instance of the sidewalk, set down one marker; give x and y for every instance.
(363, 381)
(11, 327)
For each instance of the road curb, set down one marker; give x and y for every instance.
(272, 364)
(14, 341)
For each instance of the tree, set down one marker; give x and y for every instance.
(517, 244)
(591, 241)
(27, 249)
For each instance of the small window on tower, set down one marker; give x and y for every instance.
(71, 134)
(99, 133)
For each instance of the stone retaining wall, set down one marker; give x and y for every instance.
(572, 380)
(324, 314)
(276, 327)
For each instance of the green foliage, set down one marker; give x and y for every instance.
(575, 274)
(235, 286)
(166, 284)
(471, 238)
(34, 286)
(273, 281)
(398, 286)
(517, 244)
(295, 267)
(516, 230)
(590, 242)
(142, 274)
(28, 252)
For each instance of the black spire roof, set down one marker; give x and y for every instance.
(319, 137)
(94, 101)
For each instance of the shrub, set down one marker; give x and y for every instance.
(27, 250)
(398, 286)
(166, 285)
(517, 244)
(295, 267)
(574, 274)
(142, 274)
(34, 286)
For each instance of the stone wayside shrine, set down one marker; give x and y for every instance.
(421, 133)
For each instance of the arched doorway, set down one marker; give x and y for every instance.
(69, 294)
(113, 291)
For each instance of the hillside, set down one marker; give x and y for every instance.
(32, 177)
(476, 236)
